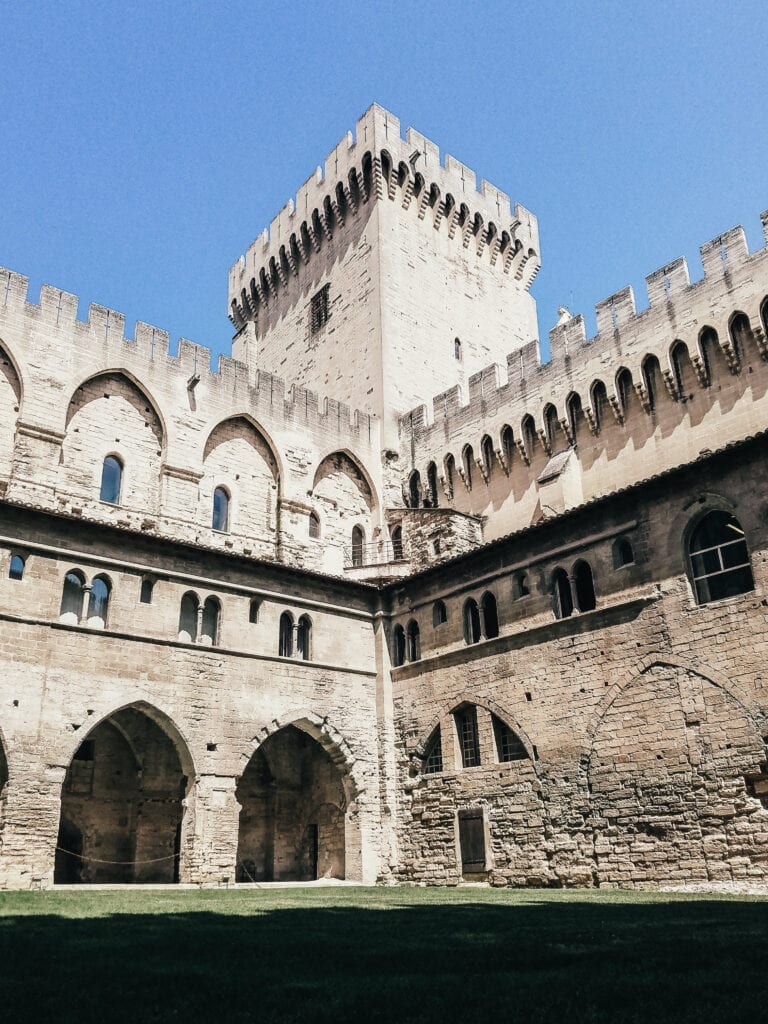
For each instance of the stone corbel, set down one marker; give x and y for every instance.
(615, 405)
(545, 442)
(642, 393)
(730, 356)
(565, 425)
(523, 452)
(483, 469)
(701, 370)
(591, 419)
(502, 460)
(760, 340)
(671, 385)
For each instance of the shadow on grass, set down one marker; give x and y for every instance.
(568, 960)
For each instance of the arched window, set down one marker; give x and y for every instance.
(467, 458)
(398, 646)
(16, 568)
(358, 545)
(413, 642)
(561, 594)
(71, 608)
(651, 370)
(304, 638)
(457, 349)
(285, 641)
(314, 526)
(490, 615)
(740, 330)
(599, 398)
(253, 610)
(486, 446)
(680, 360)
(209, 633)
(507, 443)
(624, 388)
(574, 412)
(98, 602)
(583, 587)
(220, 517)
(188, 618)
(414, 489)
(439, 613)
(450, 471)
(764, 313)
(711, 353)
(433, 755)
(432, 485)
(471, 622)
(528, 429)
(720, 563)
(551, 424)
(508, 745)
(520, 586)
(622, 553)
(111, 480)
(397, 543)
(147, 589)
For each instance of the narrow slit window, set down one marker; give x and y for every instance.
(220, 517)
(398, 647)
(319, 312)
(98, 602)
(439, 613)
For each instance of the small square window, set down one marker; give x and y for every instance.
(319, 310)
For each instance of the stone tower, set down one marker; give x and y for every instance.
(391, 278)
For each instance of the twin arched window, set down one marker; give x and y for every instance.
(413, 641)
(74, 610)
(406, 644)
(295, 641)
(199, 624)
(574, 593)
(475, 628)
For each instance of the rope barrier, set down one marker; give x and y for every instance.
(121, 863)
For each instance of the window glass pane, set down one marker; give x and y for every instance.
(16, 570)
(111, 475)
(72, 596)
(98, 602)
(735, 554)
(188, 619)
(433, 760)
(220, 519)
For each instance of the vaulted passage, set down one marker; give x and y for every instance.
(293, 807)
(121, 804)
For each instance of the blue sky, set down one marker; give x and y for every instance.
(144, 146)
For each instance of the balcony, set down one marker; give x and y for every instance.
(378, 561)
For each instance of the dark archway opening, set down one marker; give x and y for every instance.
(121, 805)
(293, 811)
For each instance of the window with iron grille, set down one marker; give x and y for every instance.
(319, 310)
(433, 758)
(720, 558)
(466, 728)
(508, 746)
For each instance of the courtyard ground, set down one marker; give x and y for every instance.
(411, 956)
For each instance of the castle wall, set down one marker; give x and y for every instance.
(644, 721)
(77, 392)
(216, 703)
(706, 392)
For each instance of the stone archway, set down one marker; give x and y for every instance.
(122, 802)
(294, 808)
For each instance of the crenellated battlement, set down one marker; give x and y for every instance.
(379, 162)
(623, 333)
(707, 335)
(231, 383)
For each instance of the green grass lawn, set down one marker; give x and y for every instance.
(407, 955)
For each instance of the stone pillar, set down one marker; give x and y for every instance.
(210, 841)
(32, 812)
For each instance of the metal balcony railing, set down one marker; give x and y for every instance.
(380, 552)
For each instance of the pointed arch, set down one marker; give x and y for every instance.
(90, 387)
(467, 698)
(221, 430)
(345, 460)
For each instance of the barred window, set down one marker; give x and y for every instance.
(508, 745)
(319, 310)
(466, 729)
(433, 758)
